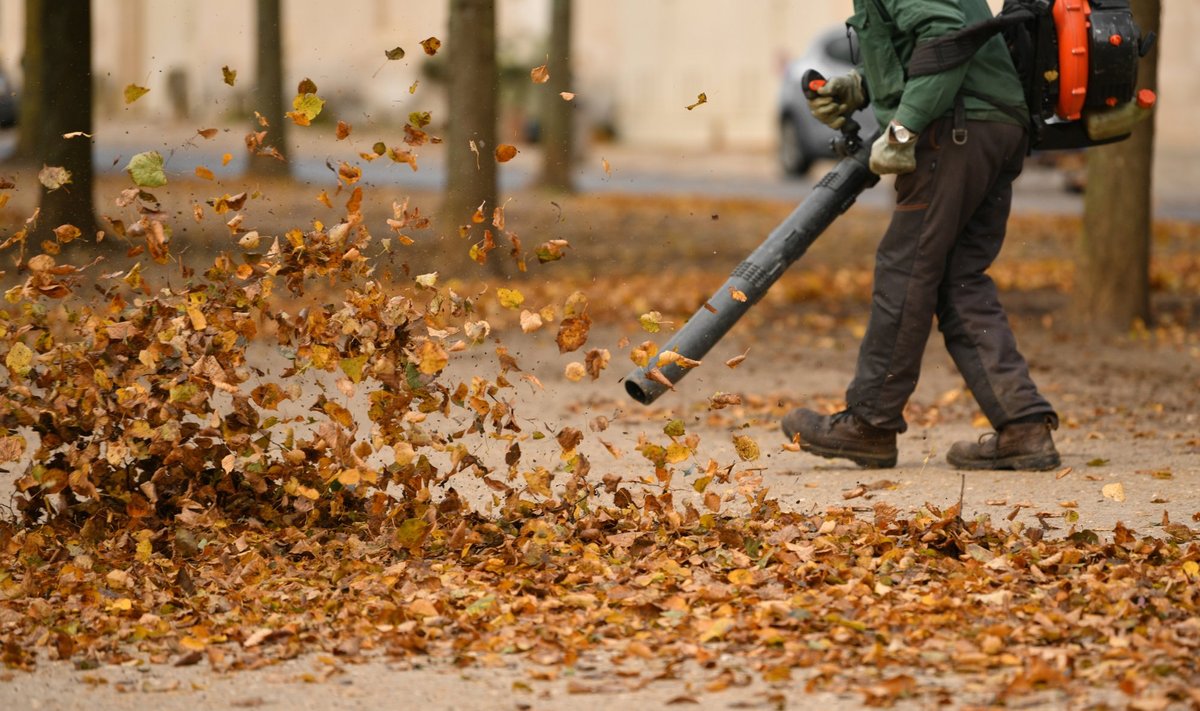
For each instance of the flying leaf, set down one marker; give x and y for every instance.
(551, 251)
(431, 45)
(573, 333)
(229, 75)
(747, 448)
(651, 321)
(307, 107)
(701, 98)
(206, 133)
(530, 321)
(203, 173)
(146, 169)
(510, 298)
(133, 92)
(343, 130)
(54, 177)
(394, 53)
(432, 358)
(540, 75)
(505, 153)
(575, 371)
(566, 95)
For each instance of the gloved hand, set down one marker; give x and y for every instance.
(890, 155)
(840, 97)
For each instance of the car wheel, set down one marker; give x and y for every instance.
(794, 157)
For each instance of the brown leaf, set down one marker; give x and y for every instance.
(573, 333)
(540, 75)
(431, 45)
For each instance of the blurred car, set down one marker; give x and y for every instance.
(9, 109)
(802, 138)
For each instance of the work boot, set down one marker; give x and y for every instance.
(841, 435)
(1026, 446)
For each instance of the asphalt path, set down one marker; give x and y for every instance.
(604, 168)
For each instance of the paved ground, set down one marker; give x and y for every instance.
(1131, 413)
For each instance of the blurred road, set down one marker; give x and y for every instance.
(607, 168)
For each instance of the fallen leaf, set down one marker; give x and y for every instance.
(701, 98)
(1114, 491)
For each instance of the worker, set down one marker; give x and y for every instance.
(955, 140)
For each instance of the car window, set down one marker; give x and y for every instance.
(842, 49)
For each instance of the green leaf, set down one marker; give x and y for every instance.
(146, 169)
(675, 428)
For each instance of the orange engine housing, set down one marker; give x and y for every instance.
(1072, 18)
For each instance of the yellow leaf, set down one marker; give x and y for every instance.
(651, 321)
(717, 629)
(203, 173)
(432, 358)
(19, 359)
(1191, 569)
(741, 576)
(701, 98)
(510, 298)
(746, 447)
(226, 158)
(1114, 491)
(133, 92)
(192, 643)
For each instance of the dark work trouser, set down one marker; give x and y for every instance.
(946, 231)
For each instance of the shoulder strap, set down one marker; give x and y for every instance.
(957, 48)
(883, 12)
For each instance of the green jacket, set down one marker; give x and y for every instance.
(889, 29)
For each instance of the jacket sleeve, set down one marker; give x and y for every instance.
(928, 97)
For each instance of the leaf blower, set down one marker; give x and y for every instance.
(830, 197)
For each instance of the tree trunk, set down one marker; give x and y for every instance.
(557, 113)
(66, 98)
(30, 119)
(471, 123)
(1112, 286)
(268, 89)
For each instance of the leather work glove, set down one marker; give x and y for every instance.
(840, 97)
(894, 152)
